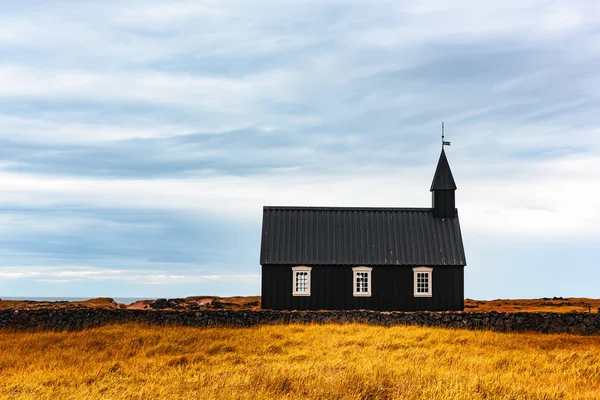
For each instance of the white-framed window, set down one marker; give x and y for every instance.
(423, 281)
(361, 281)
(301, 281)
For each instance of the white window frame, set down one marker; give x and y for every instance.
(295, 270)
(429, 272)
(355, 272)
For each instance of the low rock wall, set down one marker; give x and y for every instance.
(69, 319)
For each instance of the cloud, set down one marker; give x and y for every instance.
(128, 239)
(550, 197)
(70, 274)
(208, 93)
(147, 136)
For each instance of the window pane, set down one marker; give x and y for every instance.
(302, 282)
(422, 282)
(362, 282)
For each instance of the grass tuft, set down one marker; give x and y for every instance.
(297, 361)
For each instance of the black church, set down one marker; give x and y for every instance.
(344, 258)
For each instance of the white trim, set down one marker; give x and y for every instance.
(429, 272)
(355, 270)
(295, 270)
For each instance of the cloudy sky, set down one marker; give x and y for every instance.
(140, 140)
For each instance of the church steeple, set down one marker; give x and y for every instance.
(443, 190)
(443, 179)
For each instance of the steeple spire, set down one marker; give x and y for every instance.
(443, 179)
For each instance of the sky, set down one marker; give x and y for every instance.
(140, 140)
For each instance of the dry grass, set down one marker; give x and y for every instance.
(557, 304)
(297, 361)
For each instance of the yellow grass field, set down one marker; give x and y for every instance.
(297, 361)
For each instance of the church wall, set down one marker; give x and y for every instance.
(392, 289)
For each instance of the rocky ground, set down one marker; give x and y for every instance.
(199, 303)
(183, 304)
(554, 304)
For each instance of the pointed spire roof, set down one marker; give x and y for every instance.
(443, 179)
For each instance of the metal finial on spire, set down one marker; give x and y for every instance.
(444, 143)
(442, 134)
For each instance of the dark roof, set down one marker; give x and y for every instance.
(359, 236)
(443, 179)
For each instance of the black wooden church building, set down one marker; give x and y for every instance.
(342, 258)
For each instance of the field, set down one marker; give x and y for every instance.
(297, 361)
(554, 304)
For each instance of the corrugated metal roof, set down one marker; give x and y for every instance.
(443, 179)
(359, 236)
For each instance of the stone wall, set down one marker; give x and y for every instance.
(75, 319)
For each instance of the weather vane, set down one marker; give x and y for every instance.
(444, 143)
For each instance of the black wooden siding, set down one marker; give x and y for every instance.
(443, 203)
(359, 236)
(392, 289)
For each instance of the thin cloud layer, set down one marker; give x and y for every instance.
(145, 137)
